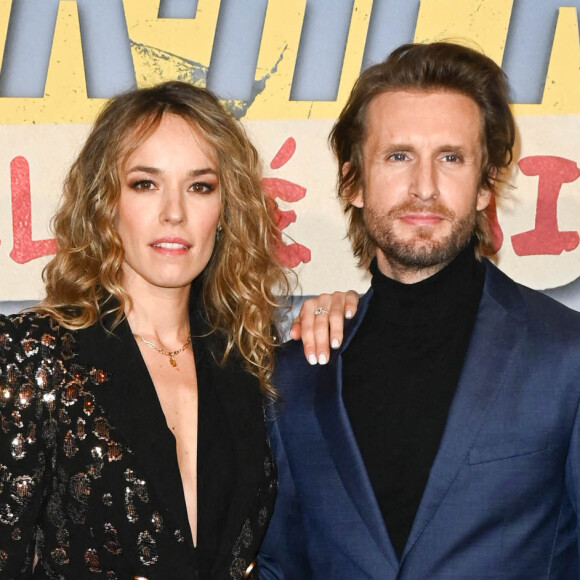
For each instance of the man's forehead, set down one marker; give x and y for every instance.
(392, 105)
(410, 94)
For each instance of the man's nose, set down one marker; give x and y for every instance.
(424, 183)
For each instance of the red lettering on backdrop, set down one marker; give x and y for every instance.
(289, 254)
(546, 238)
(24, 248)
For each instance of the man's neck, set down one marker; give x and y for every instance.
(406, 274)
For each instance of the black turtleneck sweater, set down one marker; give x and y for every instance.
(399, 375)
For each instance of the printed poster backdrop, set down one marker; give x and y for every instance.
(301, 58)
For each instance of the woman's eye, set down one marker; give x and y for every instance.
(143, 185)
(202, 187)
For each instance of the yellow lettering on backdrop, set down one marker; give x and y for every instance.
(471, 25)
(277, 59)
(286, 18)
(65, 95)
(170, 48)
(467, 22)
(5, 6)
(562, 88)
(355, 46)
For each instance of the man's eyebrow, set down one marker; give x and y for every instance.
(396, 147)
(453, 148)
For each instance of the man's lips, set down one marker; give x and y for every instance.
(422, 218)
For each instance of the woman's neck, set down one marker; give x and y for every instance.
(161, 315)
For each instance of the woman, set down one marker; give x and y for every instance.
(131, 399)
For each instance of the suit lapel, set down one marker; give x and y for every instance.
(132, 407)
(494, 343)
(341, 442)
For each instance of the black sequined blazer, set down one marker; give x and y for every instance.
(86, 480)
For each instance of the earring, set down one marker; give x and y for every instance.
(218, 234)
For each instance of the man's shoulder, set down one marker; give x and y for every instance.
(293, 374)
(291, 367)
(291, 353)
(530, 304)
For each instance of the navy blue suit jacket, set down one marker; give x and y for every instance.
(502, 496)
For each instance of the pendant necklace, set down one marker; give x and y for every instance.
(171, 354)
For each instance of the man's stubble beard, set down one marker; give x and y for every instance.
(421, 251)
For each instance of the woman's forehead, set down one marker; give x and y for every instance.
(143, 129)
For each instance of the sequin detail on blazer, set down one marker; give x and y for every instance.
(71, 487)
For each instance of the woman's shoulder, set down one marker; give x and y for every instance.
(29, 335)
(28, 323)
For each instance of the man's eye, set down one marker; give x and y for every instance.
(398, 157)
(452, 157)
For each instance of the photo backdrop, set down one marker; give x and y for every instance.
(285, 68)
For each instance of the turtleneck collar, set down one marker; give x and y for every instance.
(458, 286)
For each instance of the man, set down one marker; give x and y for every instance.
(442, 439)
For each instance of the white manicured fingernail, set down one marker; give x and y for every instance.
(312, 359)
(334, 343)
(348, 314)
(322, 359)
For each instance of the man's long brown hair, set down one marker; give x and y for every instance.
(439, 66)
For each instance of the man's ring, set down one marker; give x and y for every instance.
(319, 310)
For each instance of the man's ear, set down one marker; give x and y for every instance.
(483, 199)
(484, 194)
(356, 197)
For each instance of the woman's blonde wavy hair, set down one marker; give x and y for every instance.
(240, 283)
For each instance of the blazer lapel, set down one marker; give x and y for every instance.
(495, 340)
(132, 407)
(241, 399)
(341, 442)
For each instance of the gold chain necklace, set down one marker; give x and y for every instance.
(171, 354)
